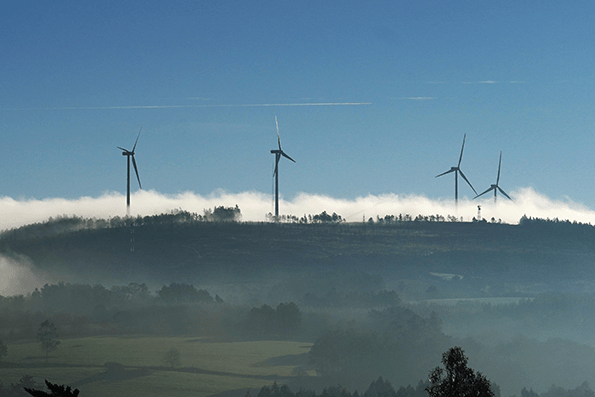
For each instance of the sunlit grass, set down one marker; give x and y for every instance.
(229, 357)
(61, 375)
(233, 365)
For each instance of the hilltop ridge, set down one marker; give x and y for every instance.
(181, 247)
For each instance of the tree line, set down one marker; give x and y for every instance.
(75, 307)
(72, 223)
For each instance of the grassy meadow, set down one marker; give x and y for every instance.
(206, 368)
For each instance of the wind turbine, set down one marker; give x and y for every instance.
(458, 170)
(278, 153)
(496, 187)
(129, 154)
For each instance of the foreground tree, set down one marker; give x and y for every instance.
(55, 391)
(456, 379)
(47, 335)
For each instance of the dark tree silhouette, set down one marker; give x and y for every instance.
(528, 393)
(380, 388)
(456, 379)
(55, 391)
(47, 336)
(265, 321)
(223, 214)
(183, 293)
(172, 357)
(289, 316)
(3, 350)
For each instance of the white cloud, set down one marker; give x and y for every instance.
(255, 205)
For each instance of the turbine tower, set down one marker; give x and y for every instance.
(496, 186)
(130, 154)
(278, 153)
(458, 170)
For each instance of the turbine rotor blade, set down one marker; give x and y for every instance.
(467, 180)
(122, 149)
(278, 137)
(135, 142)
(286, 156)
(499, 164)
(462, 147)
(444, 173)
(136, 170)
(483, 193)
(504, 193)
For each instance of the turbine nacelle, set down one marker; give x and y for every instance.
(496, 187)
(130, 155)
(457, 170)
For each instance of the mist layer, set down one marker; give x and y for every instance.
(255, 205)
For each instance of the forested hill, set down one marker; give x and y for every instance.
(176, 249)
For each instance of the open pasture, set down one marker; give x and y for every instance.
(206, 368)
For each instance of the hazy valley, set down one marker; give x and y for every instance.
(384, 298)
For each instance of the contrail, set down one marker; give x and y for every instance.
(248, 105)
(417, 98)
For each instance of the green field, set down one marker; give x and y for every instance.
(206, 368)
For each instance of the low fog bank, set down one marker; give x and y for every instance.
(255, 205)
(359, 330)
(19, 276)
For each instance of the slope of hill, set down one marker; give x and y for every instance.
(482, 254)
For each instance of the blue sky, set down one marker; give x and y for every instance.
(78, 79)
